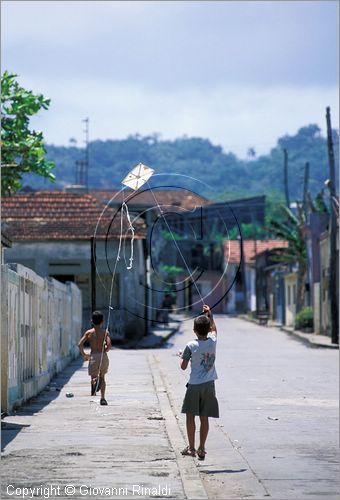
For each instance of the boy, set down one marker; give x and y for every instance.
(200, 396)
(100, 344)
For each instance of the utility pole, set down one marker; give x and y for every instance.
(93, 273)
(243, 276)
(285, 176)
(333, 274)
(305, 211)
(83, 165)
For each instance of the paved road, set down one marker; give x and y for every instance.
(278, 431)
(136, 440)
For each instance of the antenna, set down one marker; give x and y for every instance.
(83, 165)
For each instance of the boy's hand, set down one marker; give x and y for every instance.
(206, 309)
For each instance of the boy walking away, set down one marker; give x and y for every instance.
(200, 399)
(100, 344)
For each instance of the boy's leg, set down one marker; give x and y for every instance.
(102, 386)
(191, 428)
(204, 429)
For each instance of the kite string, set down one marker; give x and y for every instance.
(112, 283)
(174, 240)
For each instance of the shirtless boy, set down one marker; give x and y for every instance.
(100, 344)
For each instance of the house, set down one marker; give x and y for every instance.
(59, 234)
(252, 275)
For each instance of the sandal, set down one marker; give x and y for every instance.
(201, 453)
(191, 452)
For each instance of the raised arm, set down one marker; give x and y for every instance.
(207, 311)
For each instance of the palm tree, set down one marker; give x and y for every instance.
(292, 229)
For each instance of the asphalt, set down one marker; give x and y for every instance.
(313, 339)
(131, 448)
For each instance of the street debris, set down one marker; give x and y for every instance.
(272, 418)
(69, 394)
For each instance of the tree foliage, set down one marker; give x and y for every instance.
(22, 149)
(292, 229)
(229, 176)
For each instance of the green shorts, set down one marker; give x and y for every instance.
(200, 399)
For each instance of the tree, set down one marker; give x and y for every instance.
(292, 229)
(22, 149)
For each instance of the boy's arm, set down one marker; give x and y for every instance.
(207, 312)
(81, 345)
(184, 364)
(185, 358)
(213, 326)
(107, 341)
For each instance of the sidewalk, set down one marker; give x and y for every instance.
(312, 339)
(130, 447)
(159, 333)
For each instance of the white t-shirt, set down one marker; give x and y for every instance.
(202, 354)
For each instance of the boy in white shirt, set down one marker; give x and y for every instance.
(200, 398)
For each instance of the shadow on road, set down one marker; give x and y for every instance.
(50, 392)
(222, 471)
(9, 432)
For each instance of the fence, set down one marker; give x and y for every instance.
(40, 329)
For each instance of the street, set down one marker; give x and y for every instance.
(277, 435)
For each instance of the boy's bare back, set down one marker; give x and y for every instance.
(96, 339)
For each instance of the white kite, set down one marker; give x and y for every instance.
(138, 176)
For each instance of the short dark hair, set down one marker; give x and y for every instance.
(202, 325)
(97, 317)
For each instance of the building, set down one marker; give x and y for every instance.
(253, 276)
(68, 236)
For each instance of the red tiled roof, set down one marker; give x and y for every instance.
(250, 247)
(55, 215)
(177, 197)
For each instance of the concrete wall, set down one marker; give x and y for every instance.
(40, 329)
(60, 258)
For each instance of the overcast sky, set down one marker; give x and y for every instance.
(239, 73)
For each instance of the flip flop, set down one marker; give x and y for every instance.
(191, 452)
(201, 453)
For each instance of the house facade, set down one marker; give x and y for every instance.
(54, 233)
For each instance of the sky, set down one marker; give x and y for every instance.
(239, 73)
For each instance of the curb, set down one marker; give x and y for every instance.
(192, 483)
(300, 336)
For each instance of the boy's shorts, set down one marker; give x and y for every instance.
(94, 363)
(200, 399)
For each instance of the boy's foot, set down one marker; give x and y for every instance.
(201, 453)
(191, 452)
(103, 402)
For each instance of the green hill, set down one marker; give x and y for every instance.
(230, 176)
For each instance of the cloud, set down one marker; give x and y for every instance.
(236, 117)
(175, 44)
(239, 73)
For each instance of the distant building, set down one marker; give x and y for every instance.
(258, 274)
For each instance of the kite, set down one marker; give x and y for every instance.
(138, 176)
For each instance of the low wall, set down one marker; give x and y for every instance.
(40, 329)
